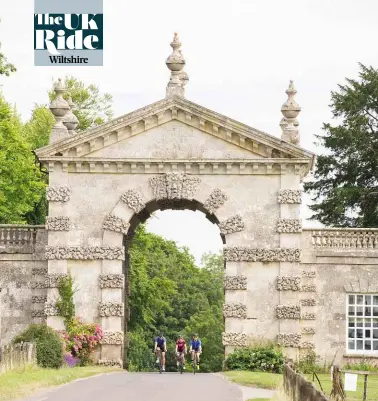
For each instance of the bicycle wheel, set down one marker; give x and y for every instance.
(195, 363)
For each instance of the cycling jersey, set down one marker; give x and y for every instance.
(180, 345)
(196, 344)
(160, 342)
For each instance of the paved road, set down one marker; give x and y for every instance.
(146, 387)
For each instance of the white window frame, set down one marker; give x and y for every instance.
(365, 319)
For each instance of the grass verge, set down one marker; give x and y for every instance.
(269, 381)
(20, 383)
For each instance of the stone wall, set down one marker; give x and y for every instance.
(22, 279)
(297, 388)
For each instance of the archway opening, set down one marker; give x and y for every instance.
(169, 289)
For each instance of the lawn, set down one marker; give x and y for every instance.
(273, 381)
(23, 382)
(372, 392)
(255, 379)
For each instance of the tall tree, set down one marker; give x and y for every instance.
(90, 106)
(6, 68)
(345, 189)
(21, 184)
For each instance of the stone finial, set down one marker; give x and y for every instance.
(70, 121)
(59, 108)
(290, 110)
(176, 62)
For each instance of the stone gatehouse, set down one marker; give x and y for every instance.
(306, 289)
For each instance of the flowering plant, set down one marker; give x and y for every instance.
(81, 339)
(70, 360)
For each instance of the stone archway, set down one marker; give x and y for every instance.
(169, 191)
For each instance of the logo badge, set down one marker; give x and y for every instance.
(68, 32)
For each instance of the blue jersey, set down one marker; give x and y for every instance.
(195, 344)
(160, 342)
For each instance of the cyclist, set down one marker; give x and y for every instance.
(195, 347)
(160, 345)
(180, 350)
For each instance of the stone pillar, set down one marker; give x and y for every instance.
(289, 227)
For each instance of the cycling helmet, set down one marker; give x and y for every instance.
(195, 335)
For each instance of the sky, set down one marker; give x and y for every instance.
(240, 56)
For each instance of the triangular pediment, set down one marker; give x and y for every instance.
(174, 123)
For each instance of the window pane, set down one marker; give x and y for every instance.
(360, 311)
(360, 333)
(375, 345)
(352, 310)
(351, 299)
(375, 322)
(352, 323)
(360, 344)
(368, 345)
(351, 344)
(360, 322)
(367, 299)
(367, 333)
(367, 311)
(351, 333)
(375, 333)
(375, 311)
(360, 299)
(375, 299)
(367, 322)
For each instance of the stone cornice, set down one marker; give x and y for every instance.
(267, 166)
(177, 108)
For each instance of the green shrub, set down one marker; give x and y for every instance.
(50, 352)
(49, 345)
(364, 365)
(265, 359)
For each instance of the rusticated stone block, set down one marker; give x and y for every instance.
(110, 362)
(112, 338)
(308, 330)
(308, 316)
(107, 309)
(309, 273)
(58, 223)
(39, 271)
(112, 281)
(234, 339)
(38, 285)
(133, 200)
(114, 223)
(216, 199)
(289, 226)
(39, 299)
(85, 253)
(289, 339)
(288, 283)
(308, 302)
(39, 313)
(237, 310)
(231, 225)
(235, 282)
(174, 186)
(289, 196)
(53, 280)
(308, 288)
(58, 194)
(288, 311)
(307, 345)
(244, 254)
(51, 309)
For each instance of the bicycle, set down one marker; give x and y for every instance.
(180, 366)
(195, 361)
(160, 359)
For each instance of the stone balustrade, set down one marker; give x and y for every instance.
(18, 238)
(345, 238)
